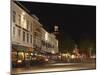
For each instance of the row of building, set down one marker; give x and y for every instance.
(29, 38)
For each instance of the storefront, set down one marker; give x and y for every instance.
(21, 56)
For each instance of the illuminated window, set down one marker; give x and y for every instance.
(14, 16)
(27, 57)
(23, 20)
(56, 28)
(20, 56)
(46, 36)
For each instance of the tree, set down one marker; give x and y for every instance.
(66, 44)
(86, 43)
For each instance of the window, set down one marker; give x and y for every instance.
(31, 27)
(30, 38)
(27, 37)
(19, 19)
(34, 40)
(27, 56)
(13, 31)
(24, 18)
(24, 22)
(14, 16)
(14, 57)
(20, 56)
(27, 24)
(19, 32)
(23, 36)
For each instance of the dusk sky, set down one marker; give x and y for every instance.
(73, 20)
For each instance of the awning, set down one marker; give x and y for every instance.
(19, 48)
(44, 52)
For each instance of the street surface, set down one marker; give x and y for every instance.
(54, 68)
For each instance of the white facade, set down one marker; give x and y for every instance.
(22, 27)
(27, 31)
(37, 34)
(51, 43)
(54, 43)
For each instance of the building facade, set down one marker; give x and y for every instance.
(22, 35)
(49, 42)
(28, 36)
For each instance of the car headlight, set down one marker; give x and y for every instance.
(19, 61)
(46, 59)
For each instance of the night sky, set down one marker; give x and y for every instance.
(73, 20)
